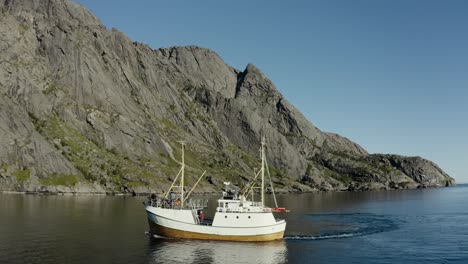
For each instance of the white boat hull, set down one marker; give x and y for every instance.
(183, 224)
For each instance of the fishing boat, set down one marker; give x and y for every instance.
(236, 218)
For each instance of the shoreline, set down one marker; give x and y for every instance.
(133, 194)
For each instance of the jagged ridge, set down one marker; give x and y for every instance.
(85, 109)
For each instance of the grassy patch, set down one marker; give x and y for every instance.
(5, 167)
(168, 124)
(328, 173)
(171, 167)
(309, 169)
(39, 124)
(51, 88)
(22, 175)
(291, 134)
(69, 137)
(248, 159)
(280, 174)
(347, 180)
(404, 184)
(23, 27)
(173, 108)
(19, 63)
(56, 179)
(188, 115)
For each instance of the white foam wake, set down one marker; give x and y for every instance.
(322, 236)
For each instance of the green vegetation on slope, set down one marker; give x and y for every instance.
(22, 175)
(60, 179)
(106, 166)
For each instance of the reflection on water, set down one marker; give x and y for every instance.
(199, 251)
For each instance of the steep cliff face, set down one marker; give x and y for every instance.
(85, 109)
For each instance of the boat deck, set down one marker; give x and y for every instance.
(207, 222)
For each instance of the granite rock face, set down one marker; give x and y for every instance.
(85, 109)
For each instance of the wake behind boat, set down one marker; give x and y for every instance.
(236, 218)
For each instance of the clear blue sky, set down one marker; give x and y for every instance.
(390, 75)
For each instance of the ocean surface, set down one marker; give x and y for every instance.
(408, 226)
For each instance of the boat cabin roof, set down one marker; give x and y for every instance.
(228, 201)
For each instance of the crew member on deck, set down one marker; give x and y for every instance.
(201, 216)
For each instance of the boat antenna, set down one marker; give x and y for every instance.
(271, 183)
(182, 176)
(263, 171)
(253, 183)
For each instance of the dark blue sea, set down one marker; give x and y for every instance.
(404, 226)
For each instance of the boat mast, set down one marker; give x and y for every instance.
(182, 178)
(263, 172)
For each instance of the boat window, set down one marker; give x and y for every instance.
(237, 217)
(225, 216)
(249, 216)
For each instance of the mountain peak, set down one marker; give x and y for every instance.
(62, 10)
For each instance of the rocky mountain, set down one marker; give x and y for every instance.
(86, 109)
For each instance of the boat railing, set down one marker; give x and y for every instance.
(241, 210)
(175, 204)
(161, 203)
(165, 203)
(255, 204)
(229, 210)
(198, 203)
